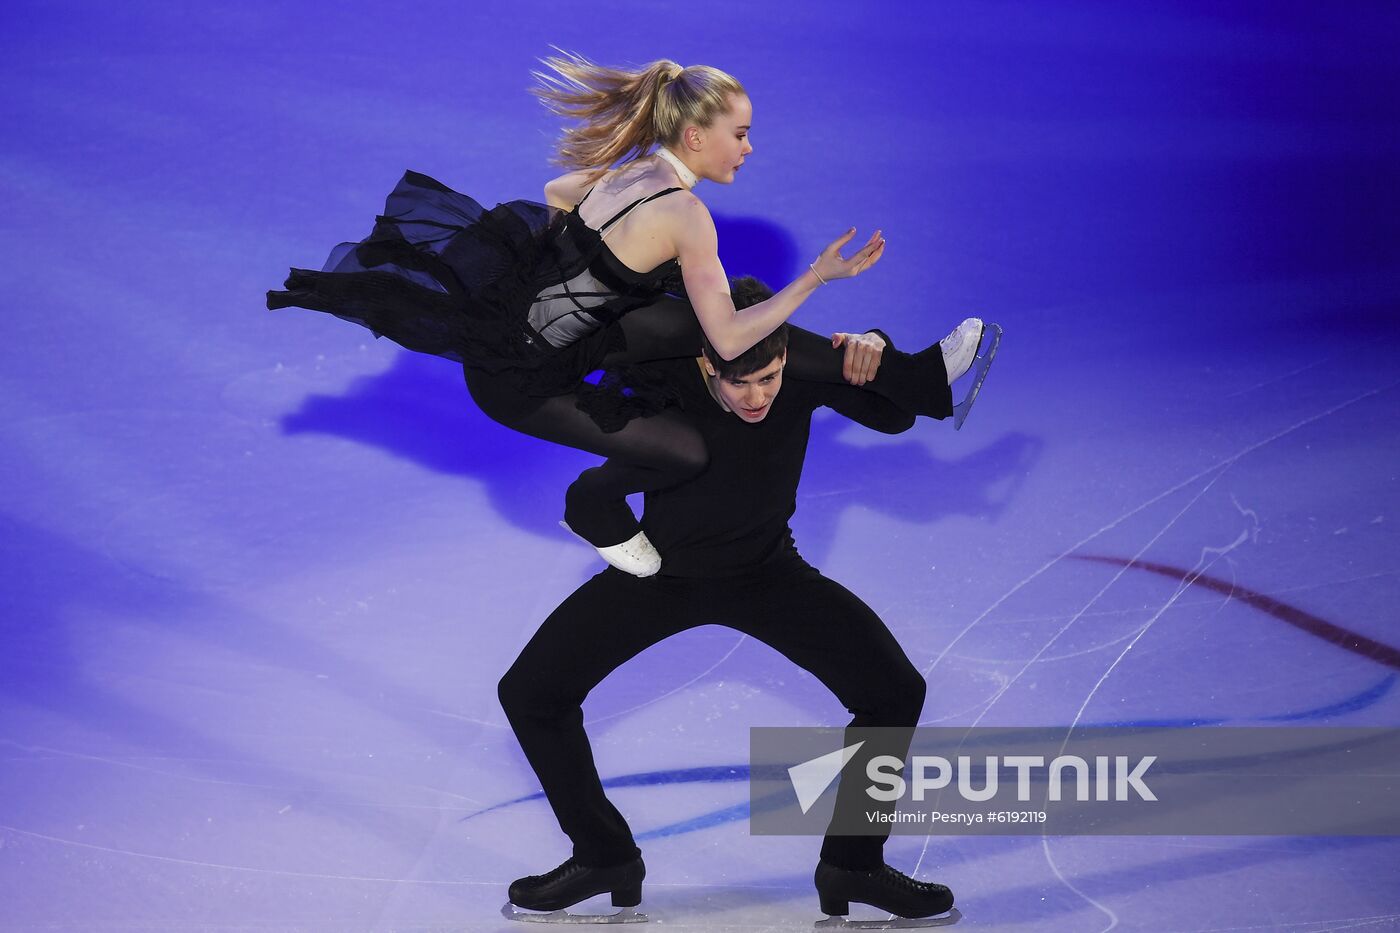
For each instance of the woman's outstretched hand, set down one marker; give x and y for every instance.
(830, 265)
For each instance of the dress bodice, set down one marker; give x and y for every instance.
(615, 266)
(602, 290)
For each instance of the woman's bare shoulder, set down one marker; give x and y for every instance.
(568, 189)
(627, 184)
(688, 222)
(684, 208)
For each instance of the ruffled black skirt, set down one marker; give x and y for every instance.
(440, 274)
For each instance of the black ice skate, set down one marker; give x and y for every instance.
(570, 883)
(962, 354)
(885, 889)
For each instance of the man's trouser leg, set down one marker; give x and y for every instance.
(826, 629)
(603, 624)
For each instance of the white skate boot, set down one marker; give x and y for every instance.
(637, 555)
(960, 347)
(962, 351)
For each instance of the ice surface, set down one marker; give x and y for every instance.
(262, 573)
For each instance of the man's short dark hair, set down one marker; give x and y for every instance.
(746, 291)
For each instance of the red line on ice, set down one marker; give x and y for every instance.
(1354, 642)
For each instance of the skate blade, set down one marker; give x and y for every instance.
(625, 915)
(981, 365)
(896, 923)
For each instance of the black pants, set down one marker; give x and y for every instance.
(816, 623)
(658, 452)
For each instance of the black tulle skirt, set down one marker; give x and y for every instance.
(441, 274)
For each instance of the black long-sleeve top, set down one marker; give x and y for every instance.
(732, 519)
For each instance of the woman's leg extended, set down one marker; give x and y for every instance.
(646, 454)
(916, 382)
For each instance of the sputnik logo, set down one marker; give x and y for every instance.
(811, 778)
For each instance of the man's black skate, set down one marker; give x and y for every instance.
(571, 883)
(884, 888)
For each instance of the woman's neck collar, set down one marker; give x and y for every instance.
(688, 178)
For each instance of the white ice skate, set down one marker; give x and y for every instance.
(960, 347)
(963, 350)
(637, 555)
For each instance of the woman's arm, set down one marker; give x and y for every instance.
(732, 332)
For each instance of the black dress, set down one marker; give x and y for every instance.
(524, 292)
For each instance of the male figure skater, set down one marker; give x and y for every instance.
(729, 559)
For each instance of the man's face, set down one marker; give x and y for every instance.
(751, 396)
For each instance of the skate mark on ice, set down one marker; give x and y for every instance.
(1219, 468)
(41, 753)
(697, 678)
(1200, 474)
(1208, 557)
(1044, 839)
(1363, 699)
(1329, 632)
(328, 796)
(624, 712)
(997, 676)
(1093, 599)
(715, 774)
(1045, 658)
(243, 868)
(1277, 379)
(1354, 923)
(1309, 926)
(1014, 621)
(1202, 564)
(740, 811)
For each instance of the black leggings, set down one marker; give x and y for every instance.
(814, 622)
(654, 453)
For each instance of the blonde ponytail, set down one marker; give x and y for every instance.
(623, 114)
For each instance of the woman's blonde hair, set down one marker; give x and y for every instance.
(622, 114)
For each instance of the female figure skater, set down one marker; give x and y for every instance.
(530, 298)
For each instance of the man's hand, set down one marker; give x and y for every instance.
(862, 356)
